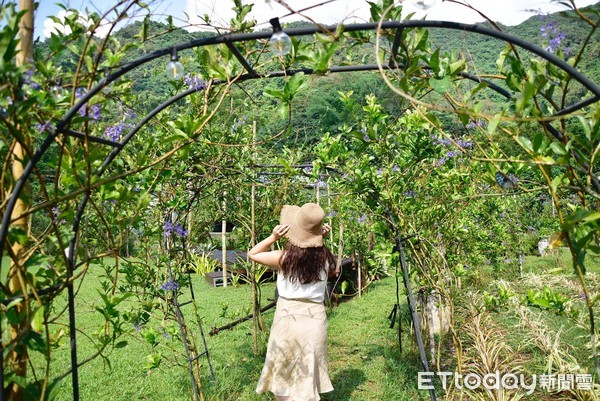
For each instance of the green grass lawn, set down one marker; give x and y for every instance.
(365, 361)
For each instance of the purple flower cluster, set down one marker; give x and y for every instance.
(476, 123)
(92, 111)
(170, 285)
(194, 82)
(115, 132)
(410, 194)
(320, 184)
(464, 144)
(441, 141)
(513, 178)
(44, 127)
(440, 162)
(176, 229)
(362, 219)
(554, 36)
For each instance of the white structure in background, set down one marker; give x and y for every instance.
(543, 246)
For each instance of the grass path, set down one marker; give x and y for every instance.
(365, 363)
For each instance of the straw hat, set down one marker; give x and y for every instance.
(306, 223)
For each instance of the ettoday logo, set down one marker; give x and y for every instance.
(507, 381)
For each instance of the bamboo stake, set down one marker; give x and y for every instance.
(224, 242)
(18, 356)
(255, 300)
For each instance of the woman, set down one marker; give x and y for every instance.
(296, 362)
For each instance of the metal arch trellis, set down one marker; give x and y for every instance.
(229, 40)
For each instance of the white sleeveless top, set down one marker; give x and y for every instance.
(313, 292)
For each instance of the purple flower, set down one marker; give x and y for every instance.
(476, 123)
(441, 141)
(79, 92)
(176, 229)
(333, 213)
(115, 132)
(44, 127)
(95, 111)
(465, 144)
(92, 111)
(137, 326)
(130, 114)
(512, 177)
(362, 219)
(440, 162)
(170, 285)
(452, 153)
(410, 194)
(583, 297)
(550, 31)
(28, 75)
(396, 168)
(194, 82)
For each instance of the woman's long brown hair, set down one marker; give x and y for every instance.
(304, 265)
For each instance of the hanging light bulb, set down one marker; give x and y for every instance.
(174, 68)
(424, 4)
(280, 42)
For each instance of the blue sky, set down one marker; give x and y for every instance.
(509, 12)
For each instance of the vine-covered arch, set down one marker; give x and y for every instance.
(397, 27)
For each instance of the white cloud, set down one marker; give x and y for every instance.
(220, 11)
(51, 27)
(509, 12)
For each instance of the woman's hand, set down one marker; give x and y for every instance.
(280, 230)
(326, 230)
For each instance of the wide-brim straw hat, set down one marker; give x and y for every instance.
(306, 224)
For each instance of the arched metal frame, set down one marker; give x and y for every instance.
(230, 40)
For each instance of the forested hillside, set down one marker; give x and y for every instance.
(318, 107)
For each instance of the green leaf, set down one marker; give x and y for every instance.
(37, 320)
(17, 235)
(493, 124)
(526, 143)
(277, 94)
(441, 85)
(558, 148)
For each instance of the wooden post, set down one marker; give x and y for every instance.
(255, 300)
(18, 356)
(224, 242)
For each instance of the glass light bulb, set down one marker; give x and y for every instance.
(280, 43)
(424, 4)
(174, 70)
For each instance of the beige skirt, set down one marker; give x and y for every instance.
(296, 361)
